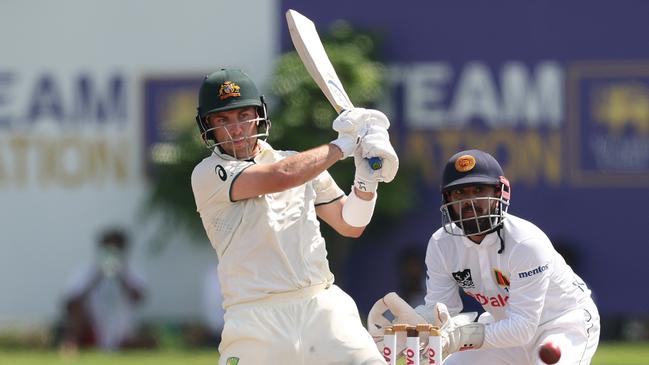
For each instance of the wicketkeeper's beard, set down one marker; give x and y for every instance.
(473, 221)
(473, 225)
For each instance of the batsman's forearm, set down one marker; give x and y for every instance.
(302, 167)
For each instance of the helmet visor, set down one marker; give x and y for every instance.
(473, 216)
(238, 145)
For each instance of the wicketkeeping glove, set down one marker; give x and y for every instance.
(401, 312)
(459, 335)
(438, 315)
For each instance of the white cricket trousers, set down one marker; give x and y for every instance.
(311, 326)
(576, 333)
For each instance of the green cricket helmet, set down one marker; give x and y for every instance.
(224, 90)
(471, 168)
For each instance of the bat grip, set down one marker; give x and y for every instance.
(375, 163)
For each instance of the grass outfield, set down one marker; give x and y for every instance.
(607, 354)
(174, 357)
(620, 353)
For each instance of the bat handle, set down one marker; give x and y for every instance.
(375, 163)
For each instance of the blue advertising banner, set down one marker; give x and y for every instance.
(558, 92)
(169, 104)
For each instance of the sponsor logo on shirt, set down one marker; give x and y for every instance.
(221, 172)
(529, 273)
(464, 278)
(497, 301)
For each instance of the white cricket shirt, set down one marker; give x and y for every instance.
(525, 286)
(268, 244)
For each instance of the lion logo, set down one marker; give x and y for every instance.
(229, 89)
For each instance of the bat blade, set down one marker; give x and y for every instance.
(309, 47)
(314, 57)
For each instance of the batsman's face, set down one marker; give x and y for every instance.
(233, 130)
(471, 202)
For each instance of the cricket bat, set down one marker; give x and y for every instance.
(309, 47)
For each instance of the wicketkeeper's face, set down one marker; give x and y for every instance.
(233, 130)
(474, 205)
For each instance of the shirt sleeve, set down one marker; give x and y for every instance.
(212, 180)
(440, 286)
(326, 189)
(531, 267)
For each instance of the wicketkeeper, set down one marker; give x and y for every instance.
(508, 265)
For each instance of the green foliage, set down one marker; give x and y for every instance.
(171, 199)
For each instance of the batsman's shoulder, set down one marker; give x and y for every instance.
(204, 165)
(208, 167)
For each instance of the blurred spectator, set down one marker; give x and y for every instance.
(101, 298)
(412, 275)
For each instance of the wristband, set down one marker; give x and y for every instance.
(366, 185)
(358, 212)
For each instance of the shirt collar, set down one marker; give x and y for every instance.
(263, 147)
(488, 241)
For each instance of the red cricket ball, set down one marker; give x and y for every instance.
(549, 353)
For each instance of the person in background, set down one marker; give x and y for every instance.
(412, 275)
(101, 299)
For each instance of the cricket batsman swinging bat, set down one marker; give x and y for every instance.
(312, 53)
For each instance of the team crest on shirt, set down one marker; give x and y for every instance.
(464, 278)
(232, 361)
(501, 279)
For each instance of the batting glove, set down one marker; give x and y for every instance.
(352, 124)
(375, 143)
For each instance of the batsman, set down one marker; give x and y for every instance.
(260, 208)
(529, 294)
